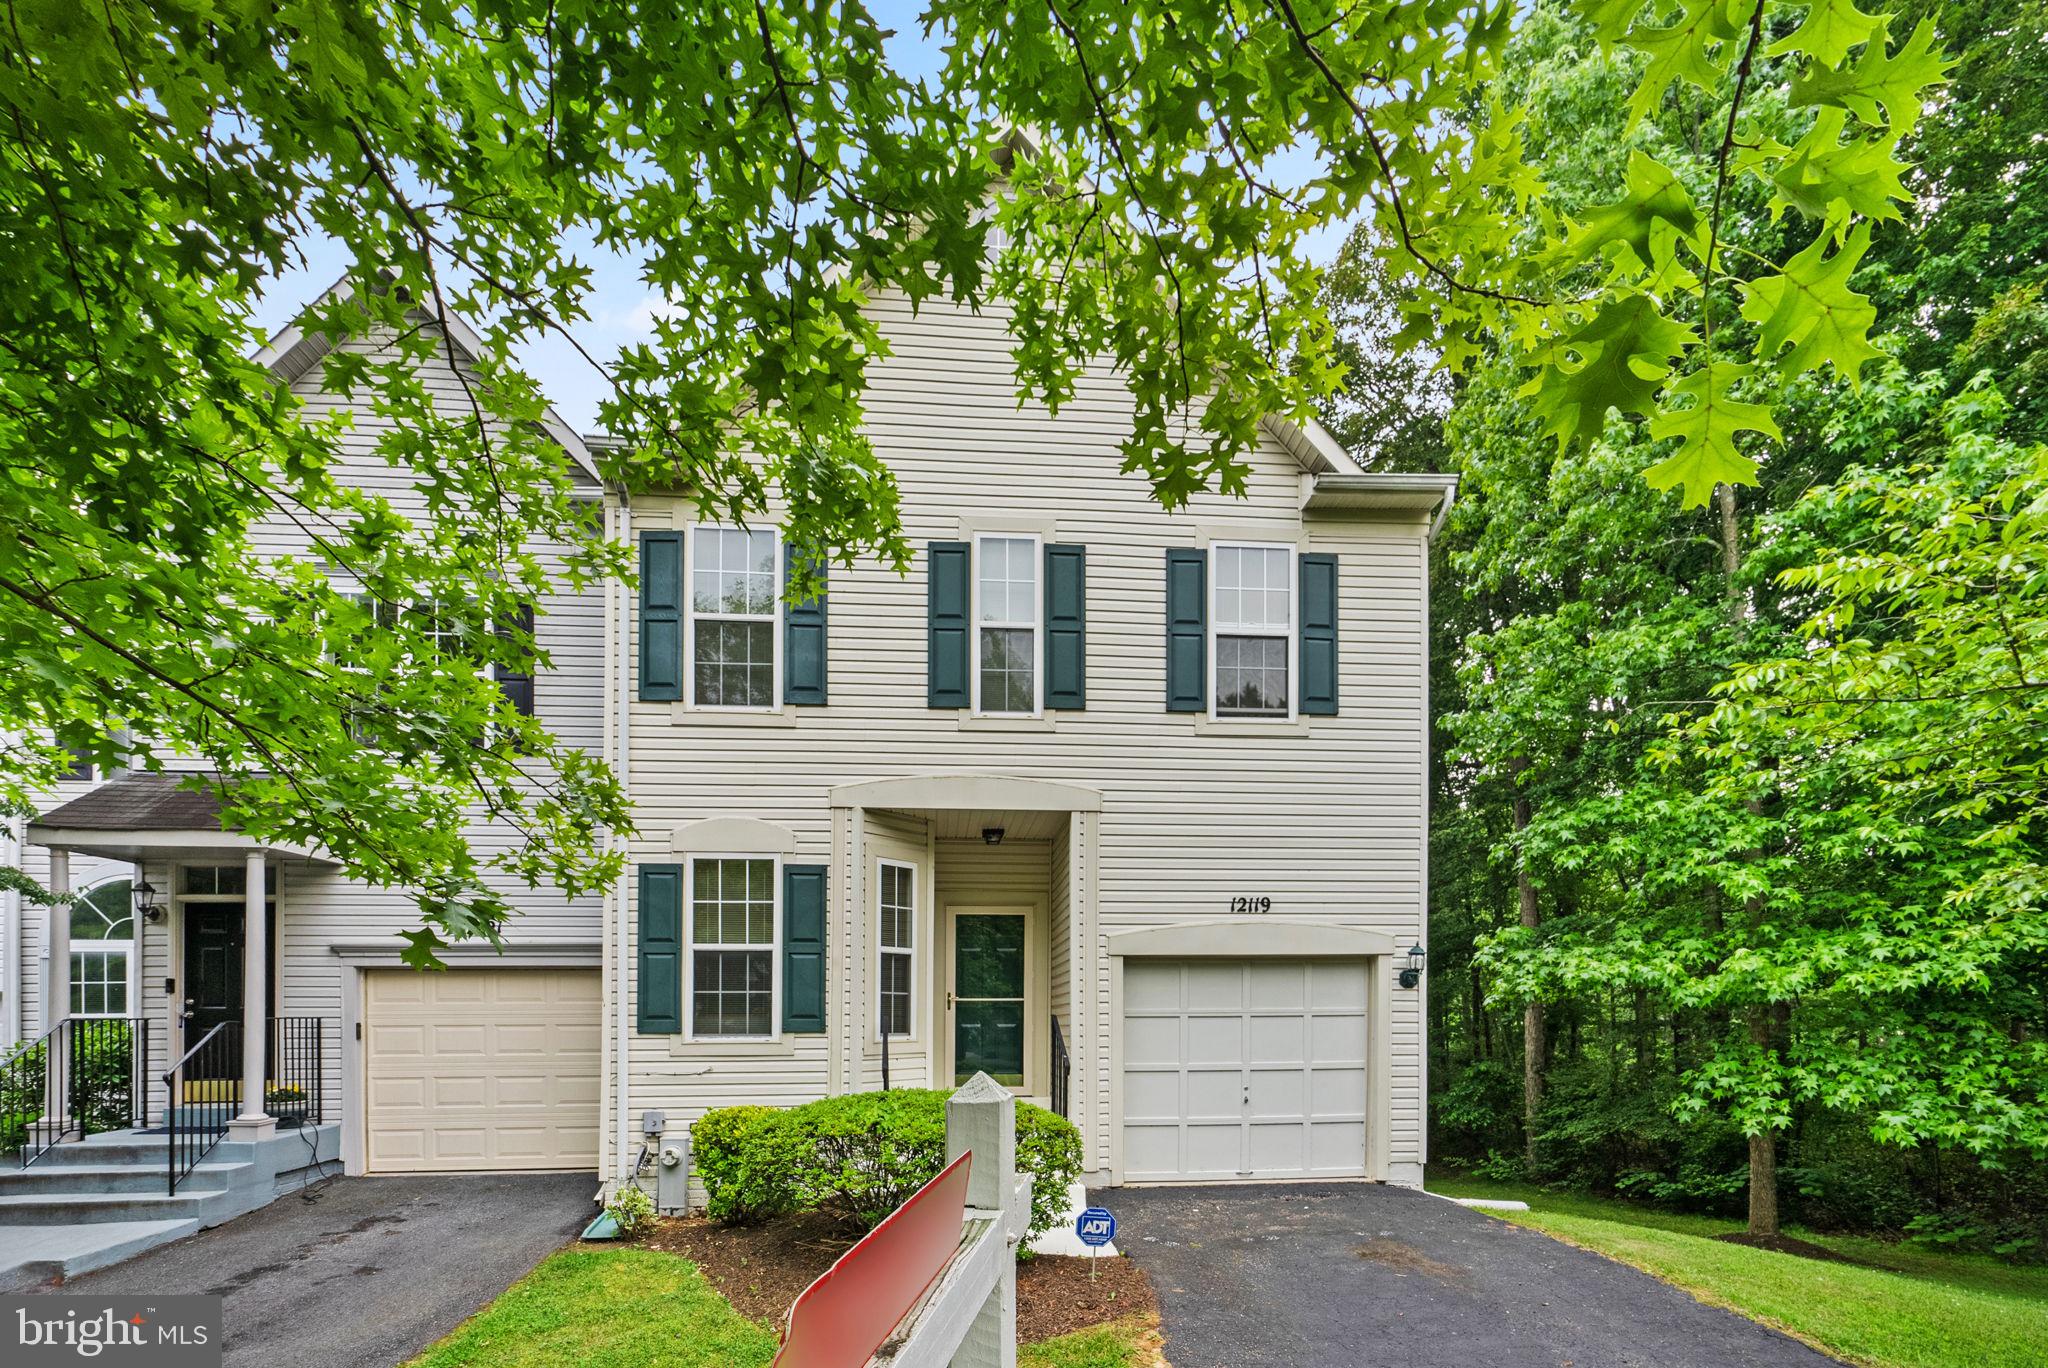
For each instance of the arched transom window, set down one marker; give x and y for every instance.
(102, 944)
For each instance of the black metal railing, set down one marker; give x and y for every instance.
(197, 1116)
(298, 1055)
(83, 1076)
(1062, 1069)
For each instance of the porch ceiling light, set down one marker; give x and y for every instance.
(992, 835)
(1411, 973)
(145, 902)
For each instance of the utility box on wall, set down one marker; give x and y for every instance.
(672, 1175)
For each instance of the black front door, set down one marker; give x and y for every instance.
(213, 984)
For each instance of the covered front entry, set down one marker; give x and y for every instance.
(481, 1069)
(1242, 1068)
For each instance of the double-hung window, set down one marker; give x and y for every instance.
(1007, 603)
(733, 605)
(1253, 616)
(896, 899)
(732, 920)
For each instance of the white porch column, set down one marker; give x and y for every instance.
(57, 942)
(254, 1122)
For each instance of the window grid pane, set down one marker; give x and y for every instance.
(735, 663)
(1006, 574)
(732, 600)
(99, 982)
(1006, 670)
(732, 934)
(895, 985)
(1251, 676)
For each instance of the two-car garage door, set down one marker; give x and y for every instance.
(481, 1069)
(1249, 1068)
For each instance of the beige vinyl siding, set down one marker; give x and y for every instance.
(1325, 816)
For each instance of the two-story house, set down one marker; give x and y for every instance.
(1125, 808)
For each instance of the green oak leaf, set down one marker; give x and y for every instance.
(1825, 176)
(1688, 49)
(1706, 429)
(1809, 308)
(1611, 18)
(1830, 29)
(1624, 352)
(1655, 196)
(1890, 82)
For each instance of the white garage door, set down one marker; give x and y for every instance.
(482, 1069)
(1243, 1069)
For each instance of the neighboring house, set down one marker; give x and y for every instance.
(491, 1065)
(1125, 808)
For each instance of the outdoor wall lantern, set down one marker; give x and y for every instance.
(1411, 973)
(992, 835)
(145, 903)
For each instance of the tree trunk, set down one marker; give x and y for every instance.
(1763, 1148)
(1535, 1044)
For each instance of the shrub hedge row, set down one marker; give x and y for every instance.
(860, 1156)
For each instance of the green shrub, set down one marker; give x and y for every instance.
(21, 1095)
(861, 1156)
(633, 1209)
(746, 1159)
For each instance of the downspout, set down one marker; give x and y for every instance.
(623, 620)
(1443, 511)
(12, 1022)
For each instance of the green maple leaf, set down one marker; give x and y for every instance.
(1624, 352)
(1689, 50)
(1706, 430)
(1655, 197)
(1825, 175)
(1809, 308)
(1830, 29)
(1879, 80)
(1611, 18)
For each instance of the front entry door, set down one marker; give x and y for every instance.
(988, 996)
(213, 979)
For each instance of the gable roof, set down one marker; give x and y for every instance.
(295, 350)
(139, 802)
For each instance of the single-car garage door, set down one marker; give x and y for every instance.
(483, 1069)
(1243, 1069)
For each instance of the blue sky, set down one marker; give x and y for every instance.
(621, 305)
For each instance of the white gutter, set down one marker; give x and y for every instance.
(1443, 511)
(622, 621)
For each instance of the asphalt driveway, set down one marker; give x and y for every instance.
(1342, 1275)
(368, 1274)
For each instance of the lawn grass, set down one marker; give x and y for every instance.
(1119, 1344)
(1915, 1308)
(609, 1308)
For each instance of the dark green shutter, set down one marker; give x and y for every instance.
(661, 949)
(1187, 629)
(1066, 627)
(1318, 635)
(661, 615)
(803, 638)
(803, 949)
(946, 607)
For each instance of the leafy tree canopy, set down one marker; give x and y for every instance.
(771, 169)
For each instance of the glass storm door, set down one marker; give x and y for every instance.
(988, 997)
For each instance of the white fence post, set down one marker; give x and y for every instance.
(982, 1117)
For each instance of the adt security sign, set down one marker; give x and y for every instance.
(1096, 1227)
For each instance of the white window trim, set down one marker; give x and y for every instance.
(1290, 632)
(881, 950)
(690, 950)
(690, 616)
(1037, 623)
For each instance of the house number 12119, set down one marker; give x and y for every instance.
(1251, 904)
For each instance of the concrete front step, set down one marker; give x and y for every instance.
(31, 1254)
(103, 1178)
(86, 1208)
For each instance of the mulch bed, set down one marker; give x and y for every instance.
(1055, 1295)
(761, 1269)
(1785, 1244)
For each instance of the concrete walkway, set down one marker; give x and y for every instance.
(1340, 1275)
(368, 1274)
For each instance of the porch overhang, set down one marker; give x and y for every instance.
(136, 847)
(137, 817)
(967, 792)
